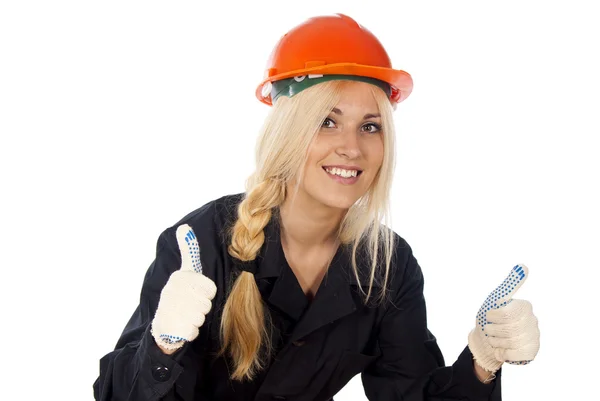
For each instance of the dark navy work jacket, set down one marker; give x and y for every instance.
(319, 345)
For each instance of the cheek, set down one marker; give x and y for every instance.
(318, 151)
(375, 153)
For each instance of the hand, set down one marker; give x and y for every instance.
(185, 299)
(506, 329)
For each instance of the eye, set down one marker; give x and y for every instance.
(375, 128)
(325, 122)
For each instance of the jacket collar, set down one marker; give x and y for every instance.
(271, 258)
(337, 295)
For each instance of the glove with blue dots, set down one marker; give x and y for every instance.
(185, 299)
(506, 329)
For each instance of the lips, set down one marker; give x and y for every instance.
(343, 180)
(343, 167)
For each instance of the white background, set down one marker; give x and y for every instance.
(119, 117)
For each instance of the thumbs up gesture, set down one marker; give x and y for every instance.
(506, 329)
(185, 299)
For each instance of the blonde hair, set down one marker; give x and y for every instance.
(281, 154)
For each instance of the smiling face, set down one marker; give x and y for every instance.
(347, 152)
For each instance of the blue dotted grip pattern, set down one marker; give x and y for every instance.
(193, 250)
(500, 297)
(171, 339)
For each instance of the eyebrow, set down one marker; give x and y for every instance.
(367, 116)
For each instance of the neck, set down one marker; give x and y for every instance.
(307, 223)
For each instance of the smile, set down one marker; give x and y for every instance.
(346, 177)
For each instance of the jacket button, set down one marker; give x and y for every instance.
(161, 373)
(298, 343)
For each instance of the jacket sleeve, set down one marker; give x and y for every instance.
(137, 369)
(411, 366)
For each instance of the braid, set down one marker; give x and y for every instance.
(254, 213)
(243, 328)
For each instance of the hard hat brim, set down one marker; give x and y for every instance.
(398, 79)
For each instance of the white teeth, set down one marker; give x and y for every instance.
(342, 172)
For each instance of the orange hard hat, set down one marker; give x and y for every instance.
(332, 45)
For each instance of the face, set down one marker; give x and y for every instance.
(347, 152)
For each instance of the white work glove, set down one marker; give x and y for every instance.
(506, 329)
(185, 299)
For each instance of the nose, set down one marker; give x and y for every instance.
(348, 146)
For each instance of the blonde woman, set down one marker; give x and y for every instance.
(288, 290)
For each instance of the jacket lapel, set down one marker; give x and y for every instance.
(285, 294)
(332, 301)
(336, 297)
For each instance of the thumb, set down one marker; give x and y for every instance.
(505, 292)
(189, 249)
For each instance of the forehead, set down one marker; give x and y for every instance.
(357, 96)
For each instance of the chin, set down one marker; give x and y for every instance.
(337, 200)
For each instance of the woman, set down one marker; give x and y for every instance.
(290, 289)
